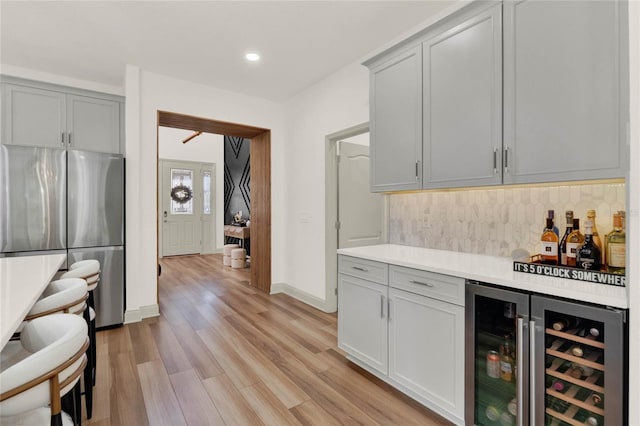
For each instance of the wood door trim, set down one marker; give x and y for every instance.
(260, 157)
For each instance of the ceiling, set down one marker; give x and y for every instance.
(301, 42)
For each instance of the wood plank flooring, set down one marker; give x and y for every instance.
(223, 353)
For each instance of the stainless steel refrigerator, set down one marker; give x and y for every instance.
(537, 360)
(53, 200)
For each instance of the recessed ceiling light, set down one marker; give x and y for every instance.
(253, 57)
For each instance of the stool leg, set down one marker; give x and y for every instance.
(86, 376)
(93, 343)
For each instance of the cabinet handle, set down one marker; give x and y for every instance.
(421, 283)
(357, 268)
(495, 160)
(69, 139)
(532, 372)
(417, 170)
(389, 308)
(519, 365)
(381, 306)
(506, 160)
(62, 139)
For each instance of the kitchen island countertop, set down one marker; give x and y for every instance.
(490, 269)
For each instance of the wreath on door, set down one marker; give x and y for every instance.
(181, 194)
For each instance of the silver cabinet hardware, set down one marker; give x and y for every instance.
(357, 268)
(421, 283)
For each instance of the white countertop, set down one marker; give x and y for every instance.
(490, 269)
(22, 280)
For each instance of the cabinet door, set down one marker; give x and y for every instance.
(93, 124)
(426, 349)
(396, 123)
(463, 103)
(32, 116)
(564, 84)
(362, 321)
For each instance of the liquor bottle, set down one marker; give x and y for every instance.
(591, 215)
(506, 361)
(588, 256)
(616, 247)
(549, 245)
(551, 215)
(574, 242)
(563, 241)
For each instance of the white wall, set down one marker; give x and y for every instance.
(147, 93)
(334, 104)
(206, 148)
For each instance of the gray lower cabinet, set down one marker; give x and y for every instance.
(396, 123)
(565, 103)
(462, 102)
(48, 116)
(407, 327)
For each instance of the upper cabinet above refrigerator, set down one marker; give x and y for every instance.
(39, 114)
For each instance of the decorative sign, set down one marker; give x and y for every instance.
(181, 194)
(597, 277)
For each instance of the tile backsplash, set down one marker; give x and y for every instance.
(496, 221)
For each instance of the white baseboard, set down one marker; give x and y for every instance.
(302, 296)
(137, 315)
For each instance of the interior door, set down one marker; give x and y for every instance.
(360, 212)
(181, 208)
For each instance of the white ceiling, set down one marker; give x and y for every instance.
(301, 42)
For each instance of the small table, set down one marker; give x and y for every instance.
(240, 232)
(22, 281)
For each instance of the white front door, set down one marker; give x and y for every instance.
(181, 207)
(361, 213)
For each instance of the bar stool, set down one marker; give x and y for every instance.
(53, 357)
(238, 258)
(66, 295)
(88, 270)
(226, 253)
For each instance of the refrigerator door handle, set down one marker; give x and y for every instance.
(532, 371)
(519, 365)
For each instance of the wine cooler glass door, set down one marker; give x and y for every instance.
(497, 336)
(579, 364)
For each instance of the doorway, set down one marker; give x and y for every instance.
(260, 183)
(357, 200)
(186, 206)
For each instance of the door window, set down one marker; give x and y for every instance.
(181, 191)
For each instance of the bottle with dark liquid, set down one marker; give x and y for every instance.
(549, 245)
(591, 215)
(563, 241)
(574, 241)
(551, 215)
(588, 256)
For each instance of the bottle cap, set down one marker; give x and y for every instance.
(577, 351)
(594, 332)
(591, 213)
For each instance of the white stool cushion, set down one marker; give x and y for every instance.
(92, 314)
(51, 341)
(39, 416)
(226, 249)
(82, 263)
(60, 293)
(238, 263)
(89, 272)
(238, 253)
(226, 260)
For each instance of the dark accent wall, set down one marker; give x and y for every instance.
(237, 176)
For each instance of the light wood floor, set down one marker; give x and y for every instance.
(224, 353)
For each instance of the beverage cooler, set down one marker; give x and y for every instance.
(535, 360)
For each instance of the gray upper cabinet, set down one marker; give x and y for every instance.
(564, 90)
(396, 122)
(33, 116)
(463, 102)
(43, 115)
(93, 124)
